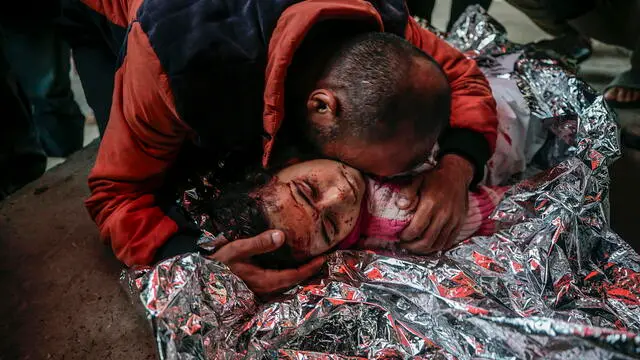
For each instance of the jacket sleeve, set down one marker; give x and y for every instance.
(142, 140)
(474, 122)
(116, 11)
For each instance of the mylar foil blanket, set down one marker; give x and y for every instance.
(555, 282)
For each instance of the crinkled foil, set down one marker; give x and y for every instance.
(555, 282)
(475, 32)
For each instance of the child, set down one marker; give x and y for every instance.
(319, 205)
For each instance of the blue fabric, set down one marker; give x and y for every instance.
(22, 158)
(41, 61)
(96, 43)
(215, 53)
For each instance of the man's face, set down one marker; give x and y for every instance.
(396, 155)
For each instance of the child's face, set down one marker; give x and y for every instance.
(316, 203)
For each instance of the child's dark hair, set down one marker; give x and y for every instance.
(222, 205)
(225, 207)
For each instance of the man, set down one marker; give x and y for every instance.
(613, 22)
(95, 43)
(214, 75)
(424, 8)
(567, 40)
(610, 21)
(22, 158)
(41, 62)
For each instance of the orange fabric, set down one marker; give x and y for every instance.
(294, 23)
(472, 105)
(145, 133)
(142, 140)
(116, 11)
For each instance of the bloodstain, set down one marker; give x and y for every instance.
(507, 138)
(516, 266)
(477, 311)
(374, 274)
(593, 274)
(535, 265)
(623, 295)
(487, 262)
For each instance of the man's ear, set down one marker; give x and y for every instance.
(322, 107)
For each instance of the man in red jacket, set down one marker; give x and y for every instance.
(214, 78)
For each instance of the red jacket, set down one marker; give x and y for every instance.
(154, 112)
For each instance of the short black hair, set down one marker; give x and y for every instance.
(224, 205)
(343, 55)
(374, 72)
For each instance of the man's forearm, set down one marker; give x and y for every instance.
(473, 125)
(468, 145)
(462, 168)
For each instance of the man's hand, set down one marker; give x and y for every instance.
(237, 256)
(442, 208)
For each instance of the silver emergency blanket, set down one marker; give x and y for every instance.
(555, 282)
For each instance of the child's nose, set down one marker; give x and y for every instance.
(337, 196)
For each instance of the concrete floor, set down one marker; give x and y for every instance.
(62, 298)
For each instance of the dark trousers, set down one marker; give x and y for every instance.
(96, 45)
(615, 22)
(22, 158)
(40, 59)
(612, 21)
(424, 8)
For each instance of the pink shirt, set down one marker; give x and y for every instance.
(381, 221)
